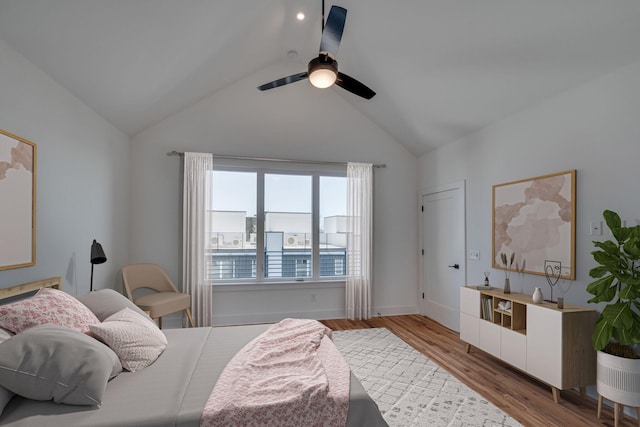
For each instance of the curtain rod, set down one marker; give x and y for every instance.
(312, 162)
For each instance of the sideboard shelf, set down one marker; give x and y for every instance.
(548, 343)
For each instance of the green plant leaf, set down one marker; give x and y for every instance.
(612, 219)
(598, 272)
(602, 334)
(608, 246)
(632, 249)
(622, 336)
(629, 292)
(621, 234)
(606, 259)
(602, 289)
(619, 315)
(635, 329)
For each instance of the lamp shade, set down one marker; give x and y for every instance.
(97, 253)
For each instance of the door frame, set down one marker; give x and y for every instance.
(462, 200)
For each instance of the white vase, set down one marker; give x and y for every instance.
(537, 296)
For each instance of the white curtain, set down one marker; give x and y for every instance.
(196, 196)
(359, 239)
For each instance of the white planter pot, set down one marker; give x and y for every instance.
(618, 379)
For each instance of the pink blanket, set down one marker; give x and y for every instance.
(291, 375)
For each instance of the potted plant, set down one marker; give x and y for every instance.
(617, 330)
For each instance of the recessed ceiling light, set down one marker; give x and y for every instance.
(300, 16)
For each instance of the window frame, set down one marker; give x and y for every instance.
(261, 169)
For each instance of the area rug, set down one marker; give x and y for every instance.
(410, 389)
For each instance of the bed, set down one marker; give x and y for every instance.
(172, 391)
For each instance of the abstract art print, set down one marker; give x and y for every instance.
(534, 219)
(18, 207)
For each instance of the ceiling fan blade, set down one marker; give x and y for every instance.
(332, 33)
(284, 81)
(354, 86)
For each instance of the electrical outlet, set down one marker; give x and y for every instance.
(473, 254)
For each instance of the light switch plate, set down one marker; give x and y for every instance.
(596, 228)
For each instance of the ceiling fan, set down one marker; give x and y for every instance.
(323, 70)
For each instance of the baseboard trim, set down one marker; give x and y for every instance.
(175, 320)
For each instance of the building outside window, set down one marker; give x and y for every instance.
(269, 226)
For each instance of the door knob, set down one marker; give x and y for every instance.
(456, 266)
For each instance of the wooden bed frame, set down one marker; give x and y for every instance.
(25, 288)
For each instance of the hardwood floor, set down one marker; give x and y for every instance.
(525, 399)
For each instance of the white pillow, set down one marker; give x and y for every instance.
(135, 339)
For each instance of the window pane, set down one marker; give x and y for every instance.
(288, 225)
(231, 226)
(333, 223)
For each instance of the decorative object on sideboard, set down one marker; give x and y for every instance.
(97, 257)
(552, 271)
(504, 306)
(616, 336)
(486, 278)
(18, 212)
(537, 296)
(507, 271)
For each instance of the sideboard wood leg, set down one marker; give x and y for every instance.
(468, 348)
(556, 394)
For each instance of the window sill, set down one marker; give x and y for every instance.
(266, 286)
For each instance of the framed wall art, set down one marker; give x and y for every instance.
(534, 219)
(18, 196)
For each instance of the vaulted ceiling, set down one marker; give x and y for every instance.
(441, 68)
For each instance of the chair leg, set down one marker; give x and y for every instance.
(188, 311)
(160, 322)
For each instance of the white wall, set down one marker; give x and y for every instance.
(291, 122)
(594, 129)
(82, 178)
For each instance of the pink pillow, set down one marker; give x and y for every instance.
(136, 339)
(48, 306)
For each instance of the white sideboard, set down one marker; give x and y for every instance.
(548, 343)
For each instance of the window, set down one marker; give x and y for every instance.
(333, 225)
(268, 225)
(231, 226)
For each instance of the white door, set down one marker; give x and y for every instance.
(443, 241)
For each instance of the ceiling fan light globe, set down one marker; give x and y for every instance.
(322, 78)
(323, 72)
